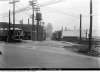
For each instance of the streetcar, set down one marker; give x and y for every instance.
(15, 35)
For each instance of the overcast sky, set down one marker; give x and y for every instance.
(65, 13)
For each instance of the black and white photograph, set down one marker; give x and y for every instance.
(50, 34)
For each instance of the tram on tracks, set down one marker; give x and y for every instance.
(15, 35)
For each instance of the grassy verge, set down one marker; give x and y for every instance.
(84, 49)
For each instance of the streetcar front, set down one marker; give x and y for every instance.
(18, 34)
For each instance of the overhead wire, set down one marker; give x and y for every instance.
(28, 7)
(43, 4)
(40, 5)
(22, 6)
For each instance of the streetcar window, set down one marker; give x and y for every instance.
(18, 33)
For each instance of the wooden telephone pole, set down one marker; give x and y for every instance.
(22, 23)
(32, 4)
(80, 27)
(28, 25)
(9, 20)
(8, 39)
(13, 15)
(90, 33)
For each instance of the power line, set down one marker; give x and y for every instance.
(41, 5)
(28, 7)
(68, 14)
(26, 13)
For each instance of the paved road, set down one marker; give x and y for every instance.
(43, 55)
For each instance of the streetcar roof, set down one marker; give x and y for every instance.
(10, 29)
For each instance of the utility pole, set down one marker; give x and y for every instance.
(86, 33)
(28, 25)
(37, 29)
(13, 2)
(33, 4)
(43, 30)
(8, 39)
(80, 27)
(29, 30)
(22, 24)
(38, 18)
(90, 33)
(9, 20)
